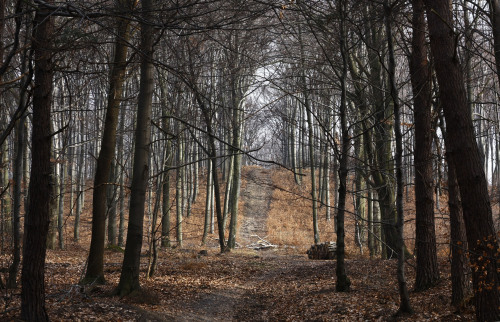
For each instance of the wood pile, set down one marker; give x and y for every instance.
(322, 251)
(261, 244)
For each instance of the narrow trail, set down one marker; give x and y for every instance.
(243, 295)
(257, 200)
(244, 298)
(231, 303)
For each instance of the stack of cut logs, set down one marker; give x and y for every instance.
(322, 251)
(261, 244)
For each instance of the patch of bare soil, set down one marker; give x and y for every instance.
(257, 200)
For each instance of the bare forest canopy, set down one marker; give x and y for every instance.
(156, 126)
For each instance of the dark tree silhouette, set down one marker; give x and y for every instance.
(36, 224)
(464, 153)
(427, 266)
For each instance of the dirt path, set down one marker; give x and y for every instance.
(236, 301)
(257, 200)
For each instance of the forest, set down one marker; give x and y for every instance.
(174, 160)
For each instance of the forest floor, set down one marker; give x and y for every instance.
(277, 284)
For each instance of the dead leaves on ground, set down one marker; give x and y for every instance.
(271, 286)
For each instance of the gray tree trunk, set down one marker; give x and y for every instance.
(95, 262)
(404, 304)
(310, 128)
(129, 278)
(343, 282)
(178, 191)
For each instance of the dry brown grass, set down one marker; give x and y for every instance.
(290, 217)
(289, 221)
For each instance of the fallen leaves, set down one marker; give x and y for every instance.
(270, 285)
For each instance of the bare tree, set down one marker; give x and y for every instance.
(95, 262)
(129, 278)
(36, 222)
(427, 266)
(464, 153)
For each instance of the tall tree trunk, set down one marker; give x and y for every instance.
(5, 202)
(343, 282)
(326, 182)
(494, 6)
(229, 187)
(235, 191)
(383, 165)
(371, 230)
(111, 203)
(238, 103)
(427, 265)
(212, 154)
(359, 201)
(481, 235)
(178, 190)
(17, 179)
(460, 269)
(129, 278)
(196, 173)
(4, 160)
(167, 162)
(36, 223)
(293, 144)
(459, 263)
(165, 218)
(310, 144)
(208, 202)
(60, 212)
(95, 262)
(80, 184)
(404, 305)
(153, 243)
(121, 196)
(54, 203)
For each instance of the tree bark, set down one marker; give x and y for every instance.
(111, 203)
(208, 202)
(404, 305)
(427, 265)
(178, 188)
(17, 179)
(238, 104)
(212, 154)
(382, 165)
(95, 262)
(129, 278)
(343, 282)
(495, 24)
(121, 197)
(60, 199)
(167, 162)
(460, 269)
(481, 235)
(310, 144)
(80, 185)
(459, 262)
(36, 222)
